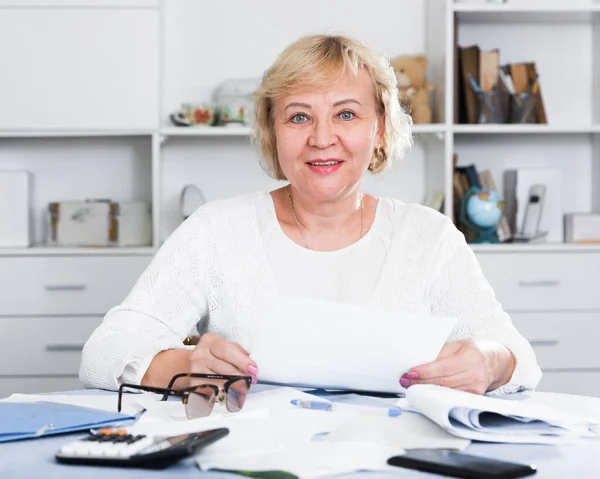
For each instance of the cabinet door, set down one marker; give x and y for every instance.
(69, 285)
(583, 383)
(34, 385)
(544, 281)
(79, 68)
(49, 346)
(562, 340)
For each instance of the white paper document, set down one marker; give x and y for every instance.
(328, 345)
(309, 459)
(407, 431)
(494, 419)
(106, 402)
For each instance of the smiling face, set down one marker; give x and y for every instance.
(325, 140)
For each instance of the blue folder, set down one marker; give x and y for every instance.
(25, 420)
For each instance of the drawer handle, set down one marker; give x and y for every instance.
(543, 283)
(64, 347)
(65, 287)
(544, 342)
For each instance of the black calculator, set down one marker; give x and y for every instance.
(117, 447)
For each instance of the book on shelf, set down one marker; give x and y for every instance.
(466, 177)
(489, 92)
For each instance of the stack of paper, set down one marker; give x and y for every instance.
(315, 343)
(495, 419)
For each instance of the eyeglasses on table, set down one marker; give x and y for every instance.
(202, 393)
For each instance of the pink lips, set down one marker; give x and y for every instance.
(325, 169)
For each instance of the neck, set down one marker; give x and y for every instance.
(326, 215)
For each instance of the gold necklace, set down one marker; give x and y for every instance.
(362, 217)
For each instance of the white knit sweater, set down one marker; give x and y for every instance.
(217, 271)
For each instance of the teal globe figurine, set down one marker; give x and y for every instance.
(480, 212)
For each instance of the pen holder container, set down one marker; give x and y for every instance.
(492, 106)
(523, 108)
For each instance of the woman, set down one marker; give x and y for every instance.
(326, 114)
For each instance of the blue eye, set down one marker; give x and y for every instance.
(346, 115)
(299, 118)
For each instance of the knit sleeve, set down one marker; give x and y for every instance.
(460, 290)
(167, 301)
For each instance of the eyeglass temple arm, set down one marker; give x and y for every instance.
(166, 392)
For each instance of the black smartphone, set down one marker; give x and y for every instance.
(458, 464)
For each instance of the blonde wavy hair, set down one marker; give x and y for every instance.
(316, 62)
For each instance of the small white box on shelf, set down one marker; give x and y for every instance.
(582, 228)
(15, 208)
(517, 188)
(131, 223)
(79, 223)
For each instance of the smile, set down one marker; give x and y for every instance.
(324, 163)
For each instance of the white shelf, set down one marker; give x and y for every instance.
(523, 129)
(83, 251)
(525, 13)
(535, 248)
(246, 131)
(79, 3)
(71, 133)
(206, 131)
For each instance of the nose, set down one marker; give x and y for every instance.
(322, 135)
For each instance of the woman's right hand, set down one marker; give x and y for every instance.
(215, 355)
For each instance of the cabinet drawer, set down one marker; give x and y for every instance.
(44, 346)
(543, 281)
(562, 340)
(28, 385)
(583, 383)
(66, 284)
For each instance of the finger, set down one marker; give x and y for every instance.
(239, 346)
(455, 381)
(445, 367)
(253, 368)
(220, 366)
(232, 354)
(450, 348)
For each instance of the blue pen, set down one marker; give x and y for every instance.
(326, 406)
(481, 94)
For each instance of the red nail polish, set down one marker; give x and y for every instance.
(404, 382)
(253, 370)
(412, 375)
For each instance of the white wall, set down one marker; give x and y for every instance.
(208, 42)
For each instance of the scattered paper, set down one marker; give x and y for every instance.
(308, 460)
(408, 431)
(131, 405)
(390, 344)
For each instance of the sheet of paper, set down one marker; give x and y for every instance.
(324, 344)
(309, 460)
(408, 431)
(106, 402)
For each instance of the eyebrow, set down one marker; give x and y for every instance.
(337, 103)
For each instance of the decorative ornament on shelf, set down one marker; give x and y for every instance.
(190, 200)
(414, 90)
(480, 212)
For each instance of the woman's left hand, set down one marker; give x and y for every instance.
(471, 366)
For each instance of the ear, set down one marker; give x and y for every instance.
(380, 128)
(421, 60)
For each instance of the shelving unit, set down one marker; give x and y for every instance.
(542, 286)
(89, 117)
